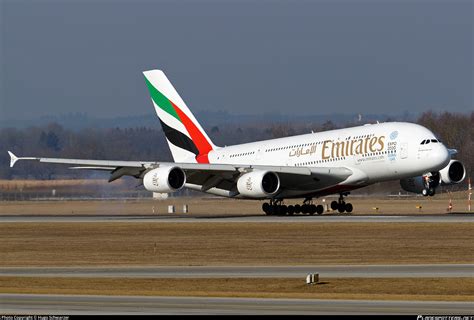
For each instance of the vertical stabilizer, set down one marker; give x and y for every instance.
(186, 138)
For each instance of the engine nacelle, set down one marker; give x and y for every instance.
(424, 184)
(258, 184)
(164, 179)
(453, 173)
(414, 184)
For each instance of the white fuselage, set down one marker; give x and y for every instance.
(375, 152)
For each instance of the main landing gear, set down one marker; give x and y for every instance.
(275, 207)
(342, 206)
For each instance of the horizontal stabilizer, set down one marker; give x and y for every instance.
(14, 159)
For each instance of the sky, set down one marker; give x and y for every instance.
(243, 57)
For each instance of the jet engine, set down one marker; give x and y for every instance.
(258, 184)
(164, 179)
(425, 184)
(453, 173)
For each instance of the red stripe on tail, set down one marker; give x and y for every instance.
(198, 138)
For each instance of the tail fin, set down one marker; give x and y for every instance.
(184, 134)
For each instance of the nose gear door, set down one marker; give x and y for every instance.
(404, 150)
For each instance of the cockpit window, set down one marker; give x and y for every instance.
(426, 141)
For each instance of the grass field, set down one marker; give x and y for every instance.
(434, 289)
(114, 244)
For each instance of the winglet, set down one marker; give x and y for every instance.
(13, 159)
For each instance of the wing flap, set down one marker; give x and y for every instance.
(93, 168)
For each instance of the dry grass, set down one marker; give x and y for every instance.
(440, 289)
(37, 184)
(114, 244)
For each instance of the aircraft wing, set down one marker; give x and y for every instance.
(213, 178)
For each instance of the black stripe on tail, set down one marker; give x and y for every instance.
(179, 139)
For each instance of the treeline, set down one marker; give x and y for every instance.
(145, 143)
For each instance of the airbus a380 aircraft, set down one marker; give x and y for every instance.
(306, 166)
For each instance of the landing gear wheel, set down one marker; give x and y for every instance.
(266, 208)
(305, 209)
(276, 210)
(291, 210)
(297, 208)
(341, 207)
(280, 210)
(334, 205)
(349, 208)
(312, 209)
(319, 209)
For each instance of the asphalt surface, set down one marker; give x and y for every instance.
(441, 218)
(77, 304)
(328, 271)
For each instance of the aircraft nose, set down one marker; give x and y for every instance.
(442, 156)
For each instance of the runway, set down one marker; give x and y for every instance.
(324, 271)
(78, 304)
(441, 218)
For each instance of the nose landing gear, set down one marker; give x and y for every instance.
(431, 181)
(428, 192)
